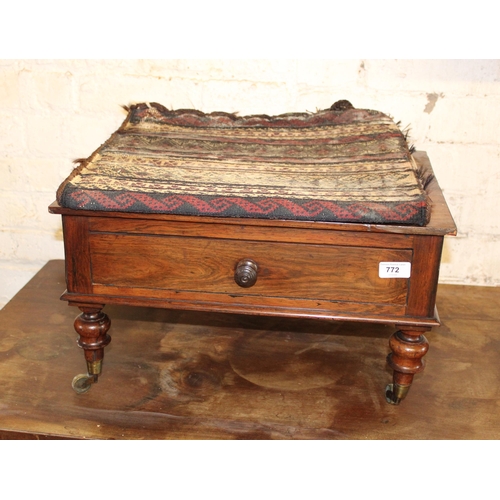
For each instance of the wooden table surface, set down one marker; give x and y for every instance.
(217, 376)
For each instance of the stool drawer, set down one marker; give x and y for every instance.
(202, 264)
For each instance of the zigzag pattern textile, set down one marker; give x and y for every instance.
(335, 165)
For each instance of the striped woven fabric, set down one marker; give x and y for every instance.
(340, 165)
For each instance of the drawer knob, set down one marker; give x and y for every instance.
(246, 273)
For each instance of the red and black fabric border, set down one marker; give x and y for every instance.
(406, 213)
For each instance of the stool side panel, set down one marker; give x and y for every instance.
(425, 273)
(77, 253)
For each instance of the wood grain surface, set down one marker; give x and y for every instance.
(207, 265)
(190, 375)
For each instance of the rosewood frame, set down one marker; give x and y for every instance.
(99, 271)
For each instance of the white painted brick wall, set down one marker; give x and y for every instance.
(54, 111)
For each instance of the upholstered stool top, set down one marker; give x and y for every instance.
(341, 165)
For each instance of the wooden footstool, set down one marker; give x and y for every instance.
(324, 215)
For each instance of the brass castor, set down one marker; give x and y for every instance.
(389, 394)
(394, 397)
(83, 382)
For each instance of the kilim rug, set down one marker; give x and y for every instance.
(340, 165)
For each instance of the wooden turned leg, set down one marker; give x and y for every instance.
(92, 325)
(408, 347)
